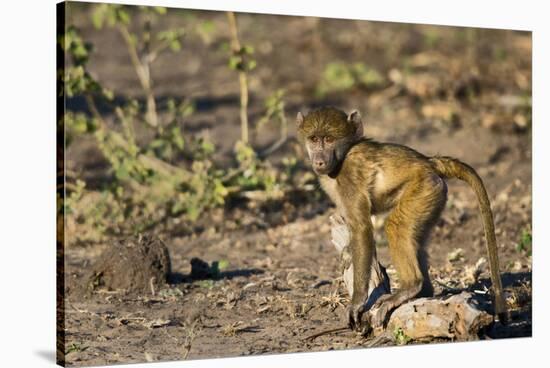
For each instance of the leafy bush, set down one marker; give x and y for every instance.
(145, 187)
(340, 76)
(165, 173)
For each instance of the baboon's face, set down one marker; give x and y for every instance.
(322, 153)
(328, 134)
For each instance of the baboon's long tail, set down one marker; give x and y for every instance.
(452, 168)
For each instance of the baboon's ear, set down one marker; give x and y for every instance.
(355, 118)
(299, 119)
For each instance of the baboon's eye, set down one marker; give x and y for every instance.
(329, 139)
(314, 139)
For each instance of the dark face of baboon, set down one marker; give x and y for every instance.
(328, 133)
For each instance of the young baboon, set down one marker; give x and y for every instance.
(364, 177)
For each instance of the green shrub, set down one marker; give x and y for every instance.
(164, 172)
(339, 76)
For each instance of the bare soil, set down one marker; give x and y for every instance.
(258, 278)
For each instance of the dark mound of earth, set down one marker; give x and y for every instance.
(140, 264)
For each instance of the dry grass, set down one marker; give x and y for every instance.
(334, 300)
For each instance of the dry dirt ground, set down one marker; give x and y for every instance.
(277, 276)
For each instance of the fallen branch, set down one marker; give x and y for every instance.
(454, 318)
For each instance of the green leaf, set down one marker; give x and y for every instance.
(223, 264)
(123, 16)
(99, 14)
(160, 10)
(122, 172)
(369, 77)
(246, 50)
(175, 46)
(208, 147)
(193, 213)
(186, 109)
(400, 337)
(156, 143)
(207, 27)
(338, 76)
(108, 94)
(171, 105)
(205, 31)
(177, 137)
(235, 62)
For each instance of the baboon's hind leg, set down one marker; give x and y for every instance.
(407, 229)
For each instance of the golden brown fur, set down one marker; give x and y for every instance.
(364, 177)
